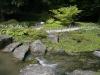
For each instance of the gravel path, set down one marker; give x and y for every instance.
(62, 30)
(59, 30)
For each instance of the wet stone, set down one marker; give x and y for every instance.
(81, 72)
(35, 69)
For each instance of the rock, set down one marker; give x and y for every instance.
(5, 40)
(81, 72)
(11, 47)
(37, 48)
(29, 57)
(42, 61)
(35, 69)
(53, 37)
(20, 52)
(96, 53)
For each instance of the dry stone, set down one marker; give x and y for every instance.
(20, 52)
(11, 47)
(37, 48)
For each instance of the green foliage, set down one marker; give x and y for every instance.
(14, 23)
(52, 24)
(65, 14)
(24, 34)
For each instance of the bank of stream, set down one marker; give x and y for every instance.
(66, 63)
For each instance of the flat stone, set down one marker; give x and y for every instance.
(37, 48)
(81, 72)
(11, 47)
(5, 40)
(20, 52)
(53, 37)
(35, 69)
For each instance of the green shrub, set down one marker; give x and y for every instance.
(65, 14)
(24, 34)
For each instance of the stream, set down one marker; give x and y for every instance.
(67, 63)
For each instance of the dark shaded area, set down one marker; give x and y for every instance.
(4, 41)
(35, 9)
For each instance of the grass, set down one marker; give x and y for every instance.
(53, 26)
(79, 41)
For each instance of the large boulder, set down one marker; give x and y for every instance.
(96, 53)
(20, 52)
(5, 40)
(35, 69)
(37, 48)
(11, 47)
(81, 72)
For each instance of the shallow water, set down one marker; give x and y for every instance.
(9, 65)
(66, 63)
(69, 63)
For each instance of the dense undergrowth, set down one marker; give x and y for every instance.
(24, 34)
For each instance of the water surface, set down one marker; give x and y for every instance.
(67, 63)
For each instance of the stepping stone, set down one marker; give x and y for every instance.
(11, 47)
(20, 52)
(53, 37)
(5, 40)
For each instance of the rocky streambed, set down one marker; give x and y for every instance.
(33, 59)
(82, 64)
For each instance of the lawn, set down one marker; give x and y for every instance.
(85, 39)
